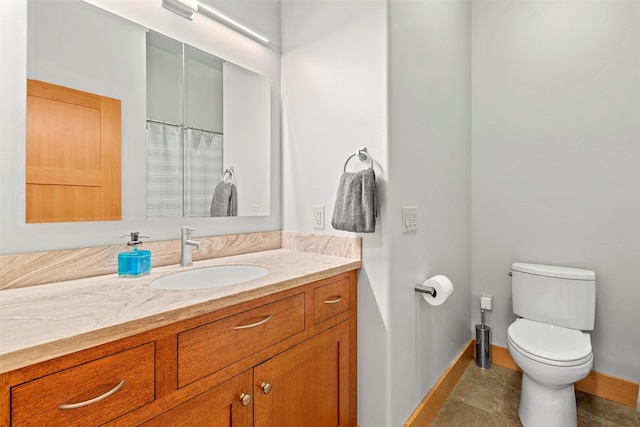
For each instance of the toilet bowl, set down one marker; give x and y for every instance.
(550, 367)
(548, 341)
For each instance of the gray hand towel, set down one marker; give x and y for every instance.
(233, 201)
(225, 200)
(355, 208)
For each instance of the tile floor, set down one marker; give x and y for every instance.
(489, 397)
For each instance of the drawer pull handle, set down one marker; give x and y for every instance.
(91, 401)
(333, 300)
(253, 325)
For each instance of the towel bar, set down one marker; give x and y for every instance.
(362, 154)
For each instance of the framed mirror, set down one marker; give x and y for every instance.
(208, 100)
(17, 236)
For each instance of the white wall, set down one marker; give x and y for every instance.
(393, 77)
(429, 167)
(556, 157)
(334, 85)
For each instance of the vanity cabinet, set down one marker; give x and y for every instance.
(284, 359)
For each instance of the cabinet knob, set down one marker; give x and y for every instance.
(266, 387)
(245, 399)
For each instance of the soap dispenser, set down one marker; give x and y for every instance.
(134, 262)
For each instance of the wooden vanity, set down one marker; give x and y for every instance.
(280, 354)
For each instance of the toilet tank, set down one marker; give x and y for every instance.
(555, 295)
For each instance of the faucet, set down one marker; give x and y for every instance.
(186, 258)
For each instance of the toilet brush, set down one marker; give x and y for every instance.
(483, 343)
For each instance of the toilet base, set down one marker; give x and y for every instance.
(543, 406)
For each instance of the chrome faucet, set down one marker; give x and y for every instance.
(186, 258)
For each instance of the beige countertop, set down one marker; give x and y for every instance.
(39, 323)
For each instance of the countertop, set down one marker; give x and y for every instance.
(39, 323)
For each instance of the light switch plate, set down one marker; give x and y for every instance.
(409, 218)
(318, 217)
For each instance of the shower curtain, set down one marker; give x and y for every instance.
(183, 168)
(164, 171)
(202, 171)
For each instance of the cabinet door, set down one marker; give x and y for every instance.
(307, 385)
(226, 405)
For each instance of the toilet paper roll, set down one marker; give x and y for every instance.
(443, 287)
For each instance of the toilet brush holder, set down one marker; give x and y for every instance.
(483, 346)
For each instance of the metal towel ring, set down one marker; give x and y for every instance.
(362, 155)
(227, 172)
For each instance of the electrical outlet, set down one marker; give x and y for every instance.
(486, 302)
(318, 217)
(409, 218)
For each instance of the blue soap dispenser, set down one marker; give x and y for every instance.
(134, 262)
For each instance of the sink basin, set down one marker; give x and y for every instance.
(210, 277)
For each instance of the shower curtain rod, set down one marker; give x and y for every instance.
(179, 125)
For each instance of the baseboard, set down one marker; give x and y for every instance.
(431, 404)
(597, 384)
(500, 356)
(602, 385)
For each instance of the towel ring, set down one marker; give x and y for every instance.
(362, 155)
(227, 172)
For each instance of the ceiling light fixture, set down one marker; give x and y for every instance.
(226, 20)
(186, 9)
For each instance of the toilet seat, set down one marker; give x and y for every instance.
(550, 344)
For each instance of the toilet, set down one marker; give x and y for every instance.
(549, 340)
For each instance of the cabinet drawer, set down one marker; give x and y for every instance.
(330, 300)
(211, 347)
(93, 387)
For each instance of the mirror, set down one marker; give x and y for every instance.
(78, 45)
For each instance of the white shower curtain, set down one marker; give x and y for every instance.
(164, 171)
(202, 171)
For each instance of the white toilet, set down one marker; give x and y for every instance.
(555, 306)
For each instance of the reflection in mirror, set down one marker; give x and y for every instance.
(72, 155)
(77, 45)
(184, 131)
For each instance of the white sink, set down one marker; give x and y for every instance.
(209, 277)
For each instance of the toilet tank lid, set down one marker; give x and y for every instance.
(554, 271)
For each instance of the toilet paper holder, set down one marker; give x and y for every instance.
(426, 290)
